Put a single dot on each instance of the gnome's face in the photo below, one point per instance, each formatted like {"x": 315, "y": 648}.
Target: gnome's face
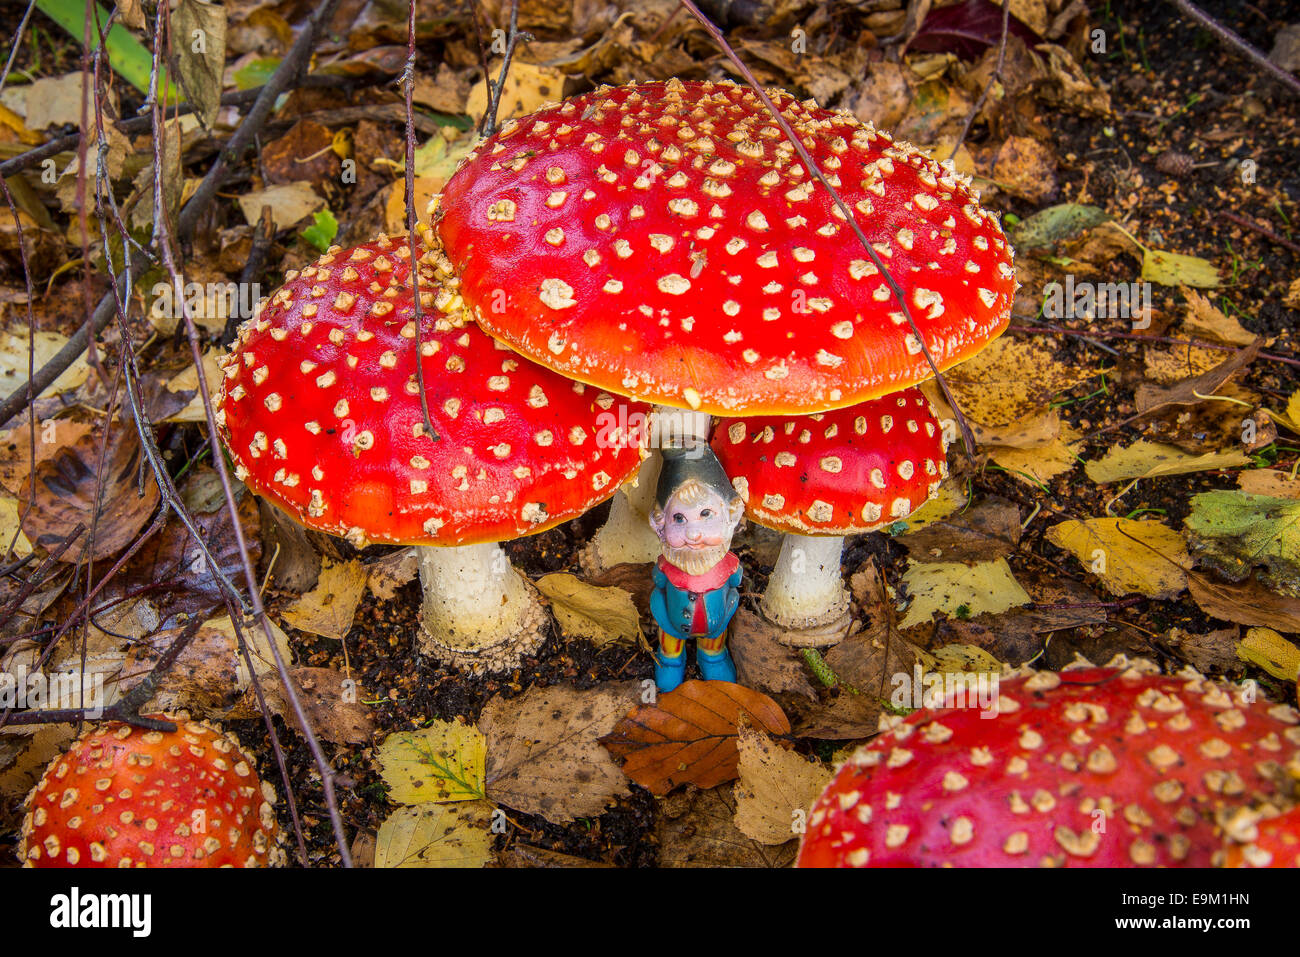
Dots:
{"x": 696, "y": 524}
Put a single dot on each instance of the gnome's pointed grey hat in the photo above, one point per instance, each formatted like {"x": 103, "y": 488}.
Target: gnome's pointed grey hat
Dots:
{"x": 693, "y": 461}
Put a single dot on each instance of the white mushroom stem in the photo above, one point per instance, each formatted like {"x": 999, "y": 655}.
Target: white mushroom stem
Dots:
{"x": 626, "y": 535}
{"x": 805, "y": 594}
{"x": 478, "y": 613}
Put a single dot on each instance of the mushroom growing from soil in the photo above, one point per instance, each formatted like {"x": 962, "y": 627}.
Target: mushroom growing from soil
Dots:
{"x": 818, "y": 478}
{"x": 1094, "y": 767}
{"x": 320, "y": 410}
{"x": 665, "y": 242}
{"x": 127, "y": 797}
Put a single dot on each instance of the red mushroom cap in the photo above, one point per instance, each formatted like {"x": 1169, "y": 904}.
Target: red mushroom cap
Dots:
{"x": 1096, "y": 767}
{"x": 1268, "y": 842}
{"x": 126, "y": 797}
{"x": 320, "y": 410}
{"x": 836, "y": 473}
{"x": 664, "y": 241}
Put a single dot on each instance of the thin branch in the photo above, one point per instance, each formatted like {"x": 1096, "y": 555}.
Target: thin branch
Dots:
{"x": 993, "y": 78}
{"x": 848, "y": 214}
{"x": 488, "y": 125}
{"x": 1231, "y": 39}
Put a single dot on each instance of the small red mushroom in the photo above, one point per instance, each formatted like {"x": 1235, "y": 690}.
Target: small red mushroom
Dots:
{"x": 320, "y": 410}
{"x": 818, "y": 478}
{"x": 122, "y": 796}
{"x": 1094, "y": 767}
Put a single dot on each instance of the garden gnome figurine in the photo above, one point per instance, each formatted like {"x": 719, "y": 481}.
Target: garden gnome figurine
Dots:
{"x": 697, "y": 578}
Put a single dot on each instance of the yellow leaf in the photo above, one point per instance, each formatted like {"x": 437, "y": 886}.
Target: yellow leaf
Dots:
{"x": 1269, "y": 650}
{"x": 1176, "y": 269}
{"x": 328, "y": 609}
{"x": 775, "y": 786}
{"x": 1145, "y": 459}
{"x": 950, "y": 587}
{"x": 1039, "y": 465}
{"x": 526, "y": 88}
{"x": 9, "y": 524}
{"x": 436, "y": 835}
{"x": 443, "y": 762}
{"x": 603, "y": 614}
{"x": 965, "y": 658}
{"x": 13, "y": 361}
{"x": 1128, "y": 556}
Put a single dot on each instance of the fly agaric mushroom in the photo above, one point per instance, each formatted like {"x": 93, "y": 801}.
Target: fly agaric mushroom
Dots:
{"x": 820, "y": 477}
{"x": 1257, "y": 840}
{"x": 664, "y": 241}
{"x": 321, "y": 411}
{"x": 1095, "y": 767}
{"x": 126, "y": 797}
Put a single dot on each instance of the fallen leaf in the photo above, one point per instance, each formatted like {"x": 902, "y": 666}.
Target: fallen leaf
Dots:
{"x": 1212, "y": 652}
{"x": 776, "y": 789}
{"x": 1247, "y": 603}
{"x": 1149, "y": 398}
{"x": 14, "y": 349}
{"x": 1011, "y": 378}
{"x": 1054, "y": 224}
{"x": 329, "y": 608}
{"x": 1175, "y": 269}
{"x": 201, "y": 53}
{"x": 436, "y": 835}
{"x": 698, "y": 829}
{"x": 688, "y": 736}
{"x": 604, "y": 615}
{"x": 1026, "y": 168}
{"x": 331, "y": 702}
{"x": 988, "y": 530}
{"x": 865, "y": 660}
{"x": 385, "y": 576}
{"x": 70, "y": 488}
{"x": 762, "y": 661}
{"x": 1235, "y": 531}
{"x": 959, "y": 658}
{"x": 1127, "y": 555}
{"x": 290, "y": 204}
{"x": 543, "y": 749}
{"x": 1145, "y": 459}
{"x": 443, "y": 762}
{"x": 527, "y": 87}
{"x": 1270, "y": 482}
{"x": 1204, "y": 321}
{"x": 1267, "y": 649}
{"x": 959, "y": 590}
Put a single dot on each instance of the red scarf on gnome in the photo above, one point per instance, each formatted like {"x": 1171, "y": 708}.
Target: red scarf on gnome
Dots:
{"x": 708, "y": 581}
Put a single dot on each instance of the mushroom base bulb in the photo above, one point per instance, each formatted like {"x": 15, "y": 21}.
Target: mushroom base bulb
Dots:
{"x": 477, "y": 613}
{"x": 806, "y": 596}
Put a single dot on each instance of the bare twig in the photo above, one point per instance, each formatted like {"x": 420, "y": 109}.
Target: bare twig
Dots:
{"x": 488, "y": 124}
{"x": 1262, "y": 230}
{"x": 263, "y": 236}
{"x": 1231, "y": 39}
{"x": 967, "y": 437}
{"x": 993, "y": 78}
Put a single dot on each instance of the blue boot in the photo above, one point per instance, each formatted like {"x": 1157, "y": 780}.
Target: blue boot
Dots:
{"x": 670, "y": 671}
{"x": 717, "y": 666}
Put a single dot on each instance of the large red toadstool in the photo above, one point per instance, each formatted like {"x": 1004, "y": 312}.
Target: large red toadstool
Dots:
{"x": 664, "y": 241}
{"x": 122, "y": 796}
{"x": 818, "y": 478}
{"x": 321, "y": 411}
{"x": 1095, "y": 767}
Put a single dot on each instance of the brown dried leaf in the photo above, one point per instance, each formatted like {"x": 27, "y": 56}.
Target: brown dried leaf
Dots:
{"x": 688, "y": 736}
{"x": 329, "y": 609}
{"x": 989, "y": 530}
{"x": 697, "y": 829}
{"x": 64, "y": 491}
{"x": 330, "y": 700}
{"x": 543, "y": 750}
{"x": 776, "y": 788}
{"x": 1246, "y": 603}
{"x": 764, "y": 662}
{"x": 1149, "y": 398}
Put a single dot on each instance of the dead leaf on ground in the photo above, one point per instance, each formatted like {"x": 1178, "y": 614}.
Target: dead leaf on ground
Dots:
{"x": 331, "y": 702}
{"x": 65, "y": 491}
{"x": 386, "y": 575}
{"x": 1203, "y": 321}
{"x": 1026, "y": 168}
{"x": 959, "y": 590}
{"x": 530, "y": 856}
{"x": 776, "y": 788}
{"x": 1267, "y": 649}
{"x": 290, "y": 204}
{"x": 1214, "y": 652}
{"x": 988, "y": 530}
{"x": 527, "y": 87}
{"x": 443, "y": 762}
{"x": 1127, "y": 555}
{"x": 1150, "y": 398}
{"x": 1145, "y": 459}
{"x": 688, "y": 736}
{"x": 841, "y": 717}
{"x": 697, "y": 829}
{"x": 15, "y": 348}
{"x": 543, "y": 749}
{"x": 329, "y": 608}
{"x": 1010, "y": 379}
{"x": 1246, "y": 603}
{"x": 762, "y": 661}
{"x": 436, "y": 835}
{"x": 582, "y": 610}
{"x": 865, "y": 660}
{"x": 1272, "y": 482}
{"x": 16, "y": 447}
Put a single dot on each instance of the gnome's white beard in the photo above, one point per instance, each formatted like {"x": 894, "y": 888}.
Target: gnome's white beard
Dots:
{"x": 696, "y": 561}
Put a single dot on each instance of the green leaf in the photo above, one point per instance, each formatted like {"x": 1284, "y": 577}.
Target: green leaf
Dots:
{"x": 126, "y": 55}
{"x": 1236, "y": 531}
{"x": 255, "y": 73}
{"x": 1055, "y": 223}
{"x": 322, "y": 231}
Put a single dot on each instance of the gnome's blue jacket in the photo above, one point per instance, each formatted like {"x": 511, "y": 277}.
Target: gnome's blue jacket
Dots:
{"x": 696, "y": 606}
